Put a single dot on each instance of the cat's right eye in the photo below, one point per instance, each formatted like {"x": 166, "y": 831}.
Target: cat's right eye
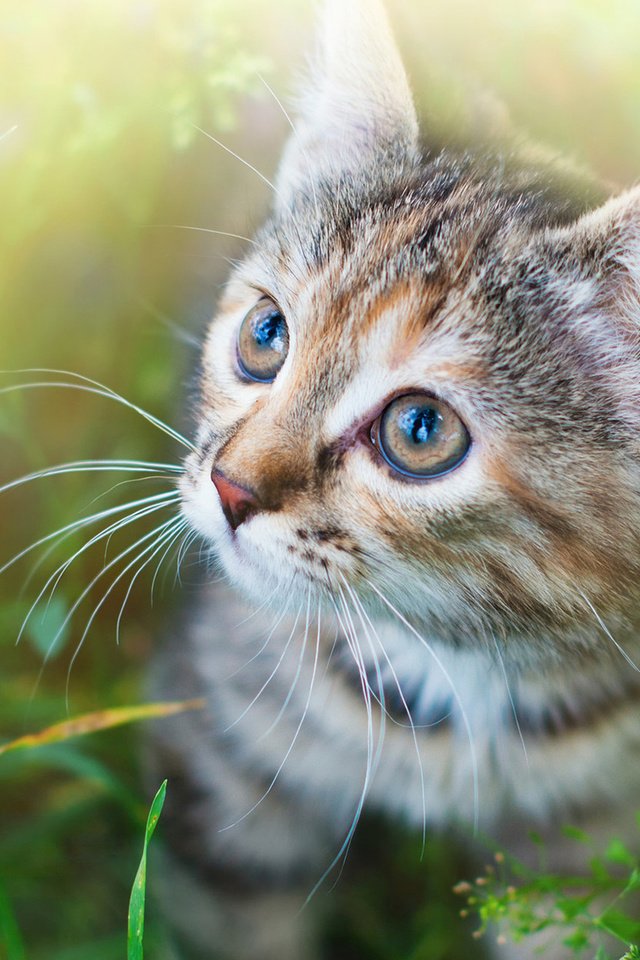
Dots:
{"x": 263, "y": 342}
{"x": 420, "y": 436}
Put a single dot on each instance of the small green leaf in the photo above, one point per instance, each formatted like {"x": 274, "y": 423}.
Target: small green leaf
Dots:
{"x": 574, "y": 833}
{"x": 138, "y": 891}
{"x": 578, "y": 940}
{"x": 619, "y": 925}
{"x": 618, "y": 853}
{"x": 599, "y": 871}
{"x": 633, "y": 882}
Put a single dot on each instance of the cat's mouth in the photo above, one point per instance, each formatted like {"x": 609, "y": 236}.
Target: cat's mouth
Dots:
{"x": 269, "y": 552}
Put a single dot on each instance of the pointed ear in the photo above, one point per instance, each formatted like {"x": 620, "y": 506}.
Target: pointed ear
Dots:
{"x": 606, "y": 245}
{"x": 357, "y": 114}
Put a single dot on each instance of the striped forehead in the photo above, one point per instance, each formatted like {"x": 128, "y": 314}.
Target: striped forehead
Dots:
{"x": 370, "y": 344}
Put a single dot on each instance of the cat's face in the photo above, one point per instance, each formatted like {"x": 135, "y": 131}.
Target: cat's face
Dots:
{"x": 418, "y": 386}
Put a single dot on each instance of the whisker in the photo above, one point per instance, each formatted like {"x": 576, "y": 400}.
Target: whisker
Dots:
{"x": 90, "y": 466}
{"x": 217, "y": 233}
{"x": 75, "y": 606}
{"x": 299, "y": 139}
{"x": 287, "y": 700}
{"x": 271, "y": 675}
{"x": 454, "y": 690}
{"x": 263, "y": 647}
{"x": 176, "y": 534}
{"x": 363, "y": 614}
{"x": 168, "y": 497}
{"x": 352, "y": 642}
{"x": 265, "y": 603}
{"x": 57, "y": 575}
{"x": 511, "y": 700}
{"x": 8, "y": 132}
{"x": 237, "y": 157}
{"x": 161, "y": 534}
{"x": 179, "y": 530}
{"x": 88, "y": 385}
{"x": 105, "y": 569}
{"x": 294, "y": 738}
{"x": 608, "y": 633}
{"x": 54, "y": 546}
{"x": 190, "y": 537}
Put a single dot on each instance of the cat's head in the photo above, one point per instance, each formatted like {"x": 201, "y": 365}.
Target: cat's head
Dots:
{"x": 423, "y": 380}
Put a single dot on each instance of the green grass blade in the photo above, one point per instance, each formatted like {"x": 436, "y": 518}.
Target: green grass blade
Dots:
{"x": 138, "y": 891}
{"x": 10, "y": 935}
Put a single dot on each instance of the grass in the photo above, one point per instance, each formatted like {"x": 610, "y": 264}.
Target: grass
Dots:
{"x": 101, "y": 161}
{"x": 135, "y": 925}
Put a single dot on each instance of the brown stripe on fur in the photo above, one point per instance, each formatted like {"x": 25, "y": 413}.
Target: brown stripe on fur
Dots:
{"x": 576, "y": 553}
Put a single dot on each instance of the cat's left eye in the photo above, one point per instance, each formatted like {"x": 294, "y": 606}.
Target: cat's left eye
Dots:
{"x": 263, "y": 342}
{"x": 420, "y": 436}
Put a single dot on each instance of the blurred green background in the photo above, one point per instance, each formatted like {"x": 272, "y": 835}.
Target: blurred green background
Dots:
{"x": 101, "y": 169}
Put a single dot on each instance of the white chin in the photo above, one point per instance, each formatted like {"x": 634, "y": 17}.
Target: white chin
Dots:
{"x": 247, "y": 567}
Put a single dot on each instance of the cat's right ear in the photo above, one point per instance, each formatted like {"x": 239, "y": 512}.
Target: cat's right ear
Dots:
{"x": 356, "y": 119}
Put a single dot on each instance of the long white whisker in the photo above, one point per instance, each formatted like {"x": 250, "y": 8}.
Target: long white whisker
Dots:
{"x": 263, "y": 646}
{"x": 177, "y": 530}
{"x": 88, "y": 385}
{"x": 257, "y": 610}
{"x": 363, "y": 614}
{"x": 511, "y": 700}
{"x": 77, "y": 603}
{"x": 104, "y": 570}
{"x": 168, "y": 497}
{"x": 90, "y": 466}
{"x": 182, "y": 553}
{"x": 271, "y": 675}
{"x": 161, "y": 535}
{"x": 237, "y": 157}
{"x": 305, "y": 153}
{"x": 303, "y": 647}
{"x": 376, "y": 663}
{"x": 366, "y": 692}
{"x": 608, "y": 633}
{"x": 454, "y": 690}
{"x": 54, "y": 545}
{"x": 57, "y": 575}
{"x": 294, "y": 739}
{"x": 217, "y": 233}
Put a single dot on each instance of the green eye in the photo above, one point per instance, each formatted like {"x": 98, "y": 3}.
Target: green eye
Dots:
{"x": 263, "y": 342}
{"x": 420, "y": 436}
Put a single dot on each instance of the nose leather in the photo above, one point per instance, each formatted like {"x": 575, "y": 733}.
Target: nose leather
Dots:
{"x": 237, "y": 502}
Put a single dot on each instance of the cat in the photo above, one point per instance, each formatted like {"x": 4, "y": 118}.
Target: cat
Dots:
{"x": 417, "y": 463}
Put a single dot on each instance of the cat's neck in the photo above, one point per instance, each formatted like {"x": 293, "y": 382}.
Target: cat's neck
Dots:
{"x": 431, "y": 685}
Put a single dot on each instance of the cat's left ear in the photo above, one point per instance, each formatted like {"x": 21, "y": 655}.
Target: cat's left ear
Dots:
{"x": 604, "y": 247}
{"x": 357, "y": 118}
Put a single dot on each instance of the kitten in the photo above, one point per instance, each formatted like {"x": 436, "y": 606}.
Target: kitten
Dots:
{"x": 418, "y": 465}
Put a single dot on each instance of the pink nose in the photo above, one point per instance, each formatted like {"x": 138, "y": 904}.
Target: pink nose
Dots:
{"x": 237, "y": 503}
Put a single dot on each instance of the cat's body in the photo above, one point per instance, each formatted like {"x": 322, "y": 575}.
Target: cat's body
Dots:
{"x": 481, "y": 604}
{"x": 569, "y": 763}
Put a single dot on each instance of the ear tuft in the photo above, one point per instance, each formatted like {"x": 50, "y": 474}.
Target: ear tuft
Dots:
{"x": 357, "y": 114}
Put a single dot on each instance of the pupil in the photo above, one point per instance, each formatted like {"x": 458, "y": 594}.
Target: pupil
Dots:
{"x": 419, "y": 423}
{"x": 268, "y": 330}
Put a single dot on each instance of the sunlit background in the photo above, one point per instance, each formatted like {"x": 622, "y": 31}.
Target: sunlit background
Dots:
{"x": 108, "y": 186}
